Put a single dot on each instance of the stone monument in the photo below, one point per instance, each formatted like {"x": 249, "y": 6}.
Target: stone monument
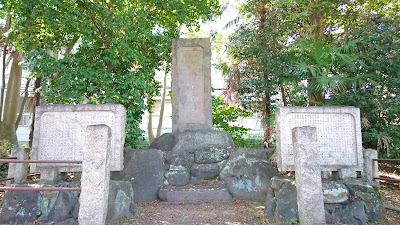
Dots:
{"x": 60, "y": 135}
{"x": 338, "y": 134}
{"x": 191, "y": 84}
{"x": 316, "y": 141}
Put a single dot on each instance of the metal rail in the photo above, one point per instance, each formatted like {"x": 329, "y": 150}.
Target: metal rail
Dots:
{"x": 39, "y": 161}
{"x": 3, "y": 189}
{"x": 386, "y": 160}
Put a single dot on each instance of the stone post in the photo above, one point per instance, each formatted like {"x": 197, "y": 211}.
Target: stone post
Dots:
{"x": 95, "y": 175}
{"x": 191, "y": 84}
{"x": 18, "y": 170}
{"x": 370, "y": 169}
{"x": 310, "y": 200}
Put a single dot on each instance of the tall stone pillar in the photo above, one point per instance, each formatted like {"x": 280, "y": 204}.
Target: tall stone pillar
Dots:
{"x": 191, "y": 84}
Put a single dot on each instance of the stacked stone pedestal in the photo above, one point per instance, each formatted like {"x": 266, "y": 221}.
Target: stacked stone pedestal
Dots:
{"x": 346, "y": 202}
{"x": 206, "y": 166}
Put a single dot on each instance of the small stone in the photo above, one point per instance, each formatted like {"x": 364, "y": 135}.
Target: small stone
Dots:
{"x": 212, "y": 154}
{"x": 177, "y": 177}
{"x": 204, "y": 171}
{"x": 335, "y": 192}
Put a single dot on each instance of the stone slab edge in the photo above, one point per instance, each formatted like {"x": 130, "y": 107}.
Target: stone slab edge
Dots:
{"x": 200, "y": 194}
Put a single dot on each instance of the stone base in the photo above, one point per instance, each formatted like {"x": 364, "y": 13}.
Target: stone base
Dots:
{"x": 62, "y": 207}
{"x": 345, "y": 202}
{"x": 194, "y": 194}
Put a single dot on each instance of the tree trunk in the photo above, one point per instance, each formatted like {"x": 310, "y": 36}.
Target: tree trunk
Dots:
{"x": 7, "y": 129}
{"x": 160, "y": 120}
{"x": 150, "y": 129}
{"x": 269, "y": 129}
{"x": 35, "y": 102}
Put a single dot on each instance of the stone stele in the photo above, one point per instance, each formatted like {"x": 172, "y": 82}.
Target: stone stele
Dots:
{"x": 60, "y": 132}
{"x": 310, "y": 201}
{"x": 191, "y": 84}
{"x": 338, "y": 133}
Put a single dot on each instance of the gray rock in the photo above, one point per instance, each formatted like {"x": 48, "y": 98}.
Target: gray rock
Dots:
{"x": 335, "y": 192}
{"x": 144, "y": 169}
{"x": 354, "y": 213}
{"x": 179, "y": 160}
{"x": 177, "y": 177}
{"x": 19, "y": 207}
{"x": 70, "y": 221}
{"x": 57, "y": 206}
{"x": 286, "y": 203}
{"x": 367, "y": 206}
{"x": 120, "y": 199}
{"x": 165, "y": 142}
{"x": 204, "y": 171}
{"x": 188, "y": 140}
{"x": 199, "y": 194}
{"x": 270, "y": 204}
{"x": 247, "y": 173}
{"x": 369, "y": 193}
{"x": 212, "y": 154}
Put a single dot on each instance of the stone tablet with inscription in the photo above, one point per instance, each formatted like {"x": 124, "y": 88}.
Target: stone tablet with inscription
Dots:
{"x": 191, "y": 84}
{"x": 60, "y": 132}
{"x": 338, "y": 134}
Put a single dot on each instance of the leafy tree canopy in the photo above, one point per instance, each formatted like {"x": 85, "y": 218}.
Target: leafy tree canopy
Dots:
{"x": 101, "y": 51}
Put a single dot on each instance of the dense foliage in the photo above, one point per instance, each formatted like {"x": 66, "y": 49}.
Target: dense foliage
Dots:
{"x": 101, "y": 51}
{"x": 224, "y": 117}
{"x": 319, "y": 52}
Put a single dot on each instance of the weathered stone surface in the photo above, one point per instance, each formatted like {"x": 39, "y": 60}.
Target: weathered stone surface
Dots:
{"x": 247, "y": 173}
{"x": 165, "y": 142}
{"x": 191, "y": 84}
{"x": 335, "y": 192}
{"x": 70, "y": 221}
{"x": 178, "y": 160}
{"x": 286, "y": 202}
{"x": 49, "y": 207}
{"x": 351, "y": 213}
{"x": 95, "y": 178}
{"x": 212, "y": 154}
{"x": 343, "y": 147}
{"x": 18, "y": 170}
{"x": 363, "y": 205}
{"x": 57, "y": 206}
{"x": 204, "y": 171}
{"x": 370, "y": 168}
{"x": 144, "y": 169}
{"x": 199, "y": 194}
{"x": 120, "y": 200}
{"x": 190, "y": 140}
{"x": 59, "y": 133}
{"x": 19, "y": 207}
{"x": 177, "y": 177}
{"x": 369, "y": 193}
{"x": 310, "y": 200}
